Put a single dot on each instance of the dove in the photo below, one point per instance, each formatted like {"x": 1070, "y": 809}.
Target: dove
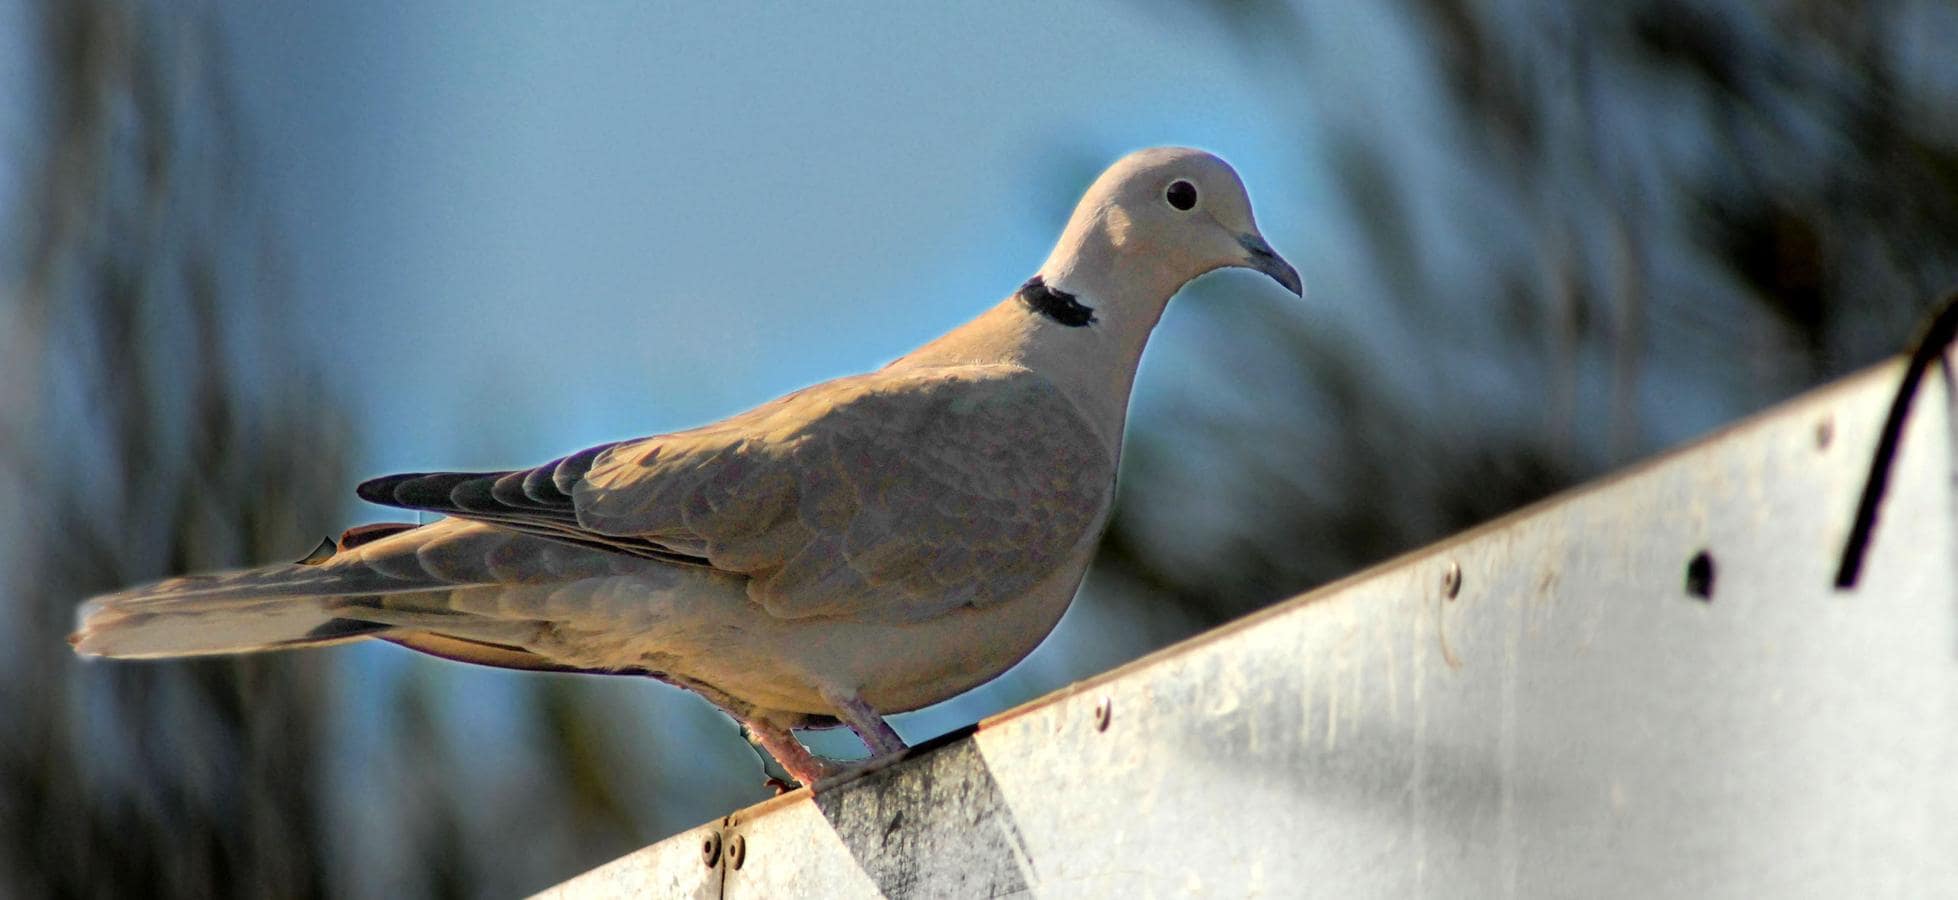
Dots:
{"x": 858, "y": 548}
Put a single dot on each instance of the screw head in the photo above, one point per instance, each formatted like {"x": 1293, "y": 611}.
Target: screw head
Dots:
{"x": 737, "y": 851}
{"x": 1825, "y": 432}
{"x": 1451, "y": 580}
{"x": 1104, "y": 711}
{"x": 710, "y": 849}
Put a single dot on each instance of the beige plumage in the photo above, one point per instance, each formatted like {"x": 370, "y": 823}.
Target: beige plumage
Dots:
{"x": 861, "y": 547}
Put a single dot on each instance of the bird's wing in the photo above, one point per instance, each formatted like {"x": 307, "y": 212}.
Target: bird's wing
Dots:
{"x": 896, "y": 495}
{"x": 535, "y": 501}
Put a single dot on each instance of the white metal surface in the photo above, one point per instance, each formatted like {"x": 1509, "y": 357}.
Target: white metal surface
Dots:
{"x": 686, "y": 865}
{"x": 1572, "y": 722}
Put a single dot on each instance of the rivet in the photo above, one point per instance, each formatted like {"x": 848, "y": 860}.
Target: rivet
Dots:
{"x": 1825, "y": 431}
{"x": 737, "y": 851}
{"x": 710, "y": 849}
{"x": 1104, "y": 711}
{"x": 1451, "y": 580}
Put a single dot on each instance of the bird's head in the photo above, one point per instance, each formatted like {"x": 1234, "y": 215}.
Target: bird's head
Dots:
{"x": 1159, "y": 218}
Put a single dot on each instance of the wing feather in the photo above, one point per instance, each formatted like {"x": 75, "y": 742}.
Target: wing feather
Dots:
{"x": 531, "y": 501}
{"x": 898, "y": 494}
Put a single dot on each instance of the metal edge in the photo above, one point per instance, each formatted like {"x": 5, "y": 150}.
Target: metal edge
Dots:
{"x": 1820, "y": 396}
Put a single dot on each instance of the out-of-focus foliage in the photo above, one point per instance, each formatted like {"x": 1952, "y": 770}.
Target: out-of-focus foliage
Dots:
{"x": 143, "y": 436}
{"x": 154, "y": 423}
{"x": 1619, "y": 225}
{"x": 160, "y": 417}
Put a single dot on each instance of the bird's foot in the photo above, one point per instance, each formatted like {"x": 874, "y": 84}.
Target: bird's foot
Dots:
{"x": 804, "y": 767}
{"x": 807, "y": 769}
{"x": 829, "y": 773}
{"x": 815, "y": 772}
{"x": 812, "y": 770}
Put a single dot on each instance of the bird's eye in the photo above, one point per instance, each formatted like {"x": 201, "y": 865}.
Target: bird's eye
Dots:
{"x": 1181, "y": 194}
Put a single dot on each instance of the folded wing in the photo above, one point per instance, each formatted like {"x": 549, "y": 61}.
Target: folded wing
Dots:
{"x": 893, "y": 495}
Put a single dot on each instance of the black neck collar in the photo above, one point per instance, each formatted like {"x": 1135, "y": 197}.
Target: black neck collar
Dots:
{"x": 1057, "y": 305}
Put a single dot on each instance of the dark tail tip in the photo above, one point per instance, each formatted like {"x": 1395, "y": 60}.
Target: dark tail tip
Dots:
{"x": 380, "y": 490}
{"x": 320, "y": 554}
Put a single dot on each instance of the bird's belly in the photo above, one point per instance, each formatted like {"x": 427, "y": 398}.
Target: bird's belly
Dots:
{"x": 705, "y": 630}
{"x": 901, "y": 667}
{"x": 894, "y": 666}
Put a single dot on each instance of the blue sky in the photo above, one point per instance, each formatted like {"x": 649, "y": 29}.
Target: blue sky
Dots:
{"x": 520, "y": 234}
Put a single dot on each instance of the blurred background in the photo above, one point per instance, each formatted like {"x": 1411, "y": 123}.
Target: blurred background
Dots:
{"x": 256, "y": 251}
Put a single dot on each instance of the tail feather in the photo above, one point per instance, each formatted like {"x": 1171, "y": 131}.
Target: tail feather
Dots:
{"x": 233, "y": 612}
{"x": 396, "y": 583}
{"x": 268, "y": 608}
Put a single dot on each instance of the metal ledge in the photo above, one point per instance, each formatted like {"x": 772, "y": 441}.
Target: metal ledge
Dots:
{"x": 1544, "y": 706}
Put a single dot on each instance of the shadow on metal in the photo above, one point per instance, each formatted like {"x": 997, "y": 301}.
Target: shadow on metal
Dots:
{"x": 945, "y": 787}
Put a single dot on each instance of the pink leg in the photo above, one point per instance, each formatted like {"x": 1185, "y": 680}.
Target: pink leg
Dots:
{"x": 876, "y": 733}
{"x": 885, "y": 745}
{"x": 796, "y": 759}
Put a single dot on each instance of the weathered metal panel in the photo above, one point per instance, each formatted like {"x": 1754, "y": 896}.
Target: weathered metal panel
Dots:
{"x": 686, "y": 865}
{"x": 1538, "y": 708}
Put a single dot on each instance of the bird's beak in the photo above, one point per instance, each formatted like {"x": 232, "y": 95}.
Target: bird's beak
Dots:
{"x": 1260, "y": 256}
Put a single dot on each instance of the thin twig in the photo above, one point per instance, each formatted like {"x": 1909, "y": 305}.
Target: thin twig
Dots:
{"x": 1937, "y": 336}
